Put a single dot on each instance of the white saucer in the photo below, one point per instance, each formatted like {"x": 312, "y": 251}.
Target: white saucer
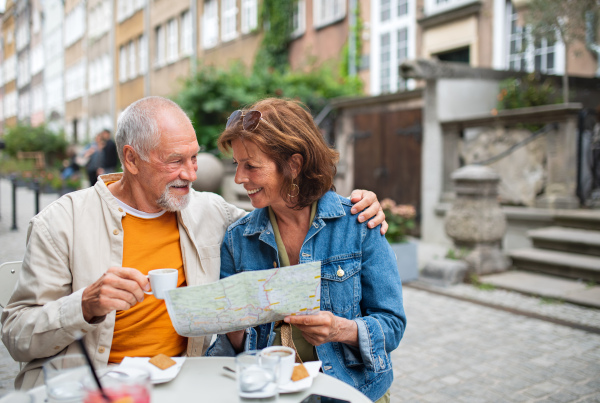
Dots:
{"x": 157, "y": 375}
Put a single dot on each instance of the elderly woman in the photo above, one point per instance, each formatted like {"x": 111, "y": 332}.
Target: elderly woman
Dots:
{"x": 287, "y": 169}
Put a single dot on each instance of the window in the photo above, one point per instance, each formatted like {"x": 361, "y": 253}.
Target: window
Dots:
{"x": 75, "y": 81}
{"x": 299, "y": 19}
{"x": 249, "y": 16}
{"x": 440, "y": 6}
{"x": 160, "y": 46}
{"x": 186, "y": 33}
{"x": 385, "y": 63}
{"x": 131, "y": 67}
{"x": 228, "y": 20}
{"x": 126, "y": 8}
{"x": 328, "y": 11}
{"x": 24, "y": 106}
{"x": 402, "y": 51}
{"x": 402, "y": 7}
{"x": 143, "y": 49}
{"x": 517, "y": 57}
{"x": 123, "y": 63}
{"x": 210, "y": 24}
{"x": 121, "y": 10}
{"x": 107, "y": 72}
{"x": 385, "y": 10}
{"x": 54, "y": 93}
{"x": 100, "y": 19}
{"x": 544, "y": 55}
{"x": 173, "y": 43}
{"x": 75, "y": 20}
{"x": 36, "y": 22}
{"x": 37, "y": 59}
{"x": 22, "y": 34}
{"x": 37, "y": 101}
{"x": 528, "y": 54}
{"x": 10, "y": 69}
{"x": 10, "y": 104}
{"x": 24, "y": 76}
{"x": 393, "y": 27}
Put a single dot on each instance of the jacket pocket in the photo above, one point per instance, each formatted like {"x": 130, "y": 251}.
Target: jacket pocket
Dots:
{"x": 340, "y": 285}
{"x": 210, "y": 260}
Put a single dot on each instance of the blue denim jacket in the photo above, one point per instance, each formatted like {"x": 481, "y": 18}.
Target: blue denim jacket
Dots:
{"x": 369, "y": 291}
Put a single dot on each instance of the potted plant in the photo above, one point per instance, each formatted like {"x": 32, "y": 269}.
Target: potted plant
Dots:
{"x": 401, "y": 219}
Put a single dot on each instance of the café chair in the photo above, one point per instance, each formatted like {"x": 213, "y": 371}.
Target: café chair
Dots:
{"x": 9, "y": 274}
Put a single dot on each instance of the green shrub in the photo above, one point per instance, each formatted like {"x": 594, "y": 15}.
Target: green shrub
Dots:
{"x": 27, "y": 138}
{"x": 526, "y": 92}
{"x": 212, "y": 94}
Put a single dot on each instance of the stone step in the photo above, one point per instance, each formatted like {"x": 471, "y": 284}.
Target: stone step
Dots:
{"x": 573, "y": 240}
{"x": 543, "y": 285}
{"x": 584, "y": 219}
{"x": 561, "y": 264}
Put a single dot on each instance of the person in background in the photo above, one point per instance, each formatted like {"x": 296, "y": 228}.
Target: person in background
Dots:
{"x": 110, "y": 157}
{"x": 287, "y": 170}
{"x": 94, "y": 158}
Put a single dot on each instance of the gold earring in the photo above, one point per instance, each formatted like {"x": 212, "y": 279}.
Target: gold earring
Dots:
{"x": 297, "y": 190}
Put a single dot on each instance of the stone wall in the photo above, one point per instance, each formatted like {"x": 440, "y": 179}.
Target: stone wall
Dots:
{"x": 522, "y": 173}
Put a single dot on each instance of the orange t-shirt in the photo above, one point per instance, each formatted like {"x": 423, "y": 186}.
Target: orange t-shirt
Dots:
{"x": 145, "y": 329}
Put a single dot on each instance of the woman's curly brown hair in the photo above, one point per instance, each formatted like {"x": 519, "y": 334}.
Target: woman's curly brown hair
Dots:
{"x": 288, "y": 129}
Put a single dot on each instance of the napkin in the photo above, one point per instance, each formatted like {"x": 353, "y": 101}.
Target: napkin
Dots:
{"x": 157, "y": 375}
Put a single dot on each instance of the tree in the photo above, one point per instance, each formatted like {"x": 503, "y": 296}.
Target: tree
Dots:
{"x": 209, "y": 96}
{"x": 569, "y": 21}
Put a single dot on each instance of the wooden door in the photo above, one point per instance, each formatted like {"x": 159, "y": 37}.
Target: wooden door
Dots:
{"x": 387, "y": 155}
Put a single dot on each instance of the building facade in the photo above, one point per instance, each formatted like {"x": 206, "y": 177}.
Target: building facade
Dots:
{"x": 117, "y": 51}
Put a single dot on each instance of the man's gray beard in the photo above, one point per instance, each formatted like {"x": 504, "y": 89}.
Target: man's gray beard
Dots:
{"x": 171, "y": 202}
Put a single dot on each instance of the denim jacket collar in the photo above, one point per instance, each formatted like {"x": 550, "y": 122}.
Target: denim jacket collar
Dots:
{"x": 329, "y": 206}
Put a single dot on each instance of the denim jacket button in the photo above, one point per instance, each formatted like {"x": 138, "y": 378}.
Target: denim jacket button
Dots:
{"x": 340, "y": 272}
{"x": 315, "y": 225}
{"x": 327, "y": 368}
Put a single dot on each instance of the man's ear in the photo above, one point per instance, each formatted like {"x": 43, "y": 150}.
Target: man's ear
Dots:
{"x": 296, "y": 161}
{"x": 131, "y": 160}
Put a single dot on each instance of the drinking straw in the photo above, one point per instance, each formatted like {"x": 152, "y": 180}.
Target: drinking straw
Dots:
{"x": 89, "y": 361}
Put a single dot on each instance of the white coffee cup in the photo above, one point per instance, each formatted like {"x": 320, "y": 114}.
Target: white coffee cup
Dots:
{"x": 161, "y": 281}
{"x": 288, "y": 360}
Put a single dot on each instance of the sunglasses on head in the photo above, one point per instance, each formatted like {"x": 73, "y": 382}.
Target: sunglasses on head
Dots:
{"x": 250, "y": 119}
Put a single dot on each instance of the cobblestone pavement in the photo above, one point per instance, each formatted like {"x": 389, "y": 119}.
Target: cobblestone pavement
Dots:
{"x": 453, "y": 350}
{"x": 457, "y": 351}
{"x": 12, "y": 247}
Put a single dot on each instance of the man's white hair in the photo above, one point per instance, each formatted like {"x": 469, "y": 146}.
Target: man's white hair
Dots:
{"x": 138, "y": 126}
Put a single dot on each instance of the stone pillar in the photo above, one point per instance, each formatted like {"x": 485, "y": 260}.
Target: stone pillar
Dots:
{"x": 561, "y": 154}
{"x": 476, "y": 221}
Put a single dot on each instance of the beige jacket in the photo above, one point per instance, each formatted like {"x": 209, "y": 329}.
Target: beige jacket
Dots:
{"x": 70, "y": 244}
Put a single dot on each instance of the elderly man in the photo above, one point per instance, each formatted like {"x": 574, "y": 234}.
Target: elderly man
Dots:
{"x": 88, "y": 253}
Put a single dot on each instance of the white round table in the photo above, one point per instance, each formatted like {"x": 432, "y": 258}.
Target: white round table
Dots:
{"x": 204, "y": 379}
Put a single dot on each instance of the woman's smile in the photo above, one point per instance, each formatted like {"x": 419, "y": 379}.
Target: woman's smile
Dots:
{"x": 253, "y": 191}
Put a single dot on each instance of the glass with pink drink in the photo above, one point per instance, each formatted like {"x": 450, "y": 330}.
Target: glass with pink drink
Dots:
{"x": 130, "y": 385}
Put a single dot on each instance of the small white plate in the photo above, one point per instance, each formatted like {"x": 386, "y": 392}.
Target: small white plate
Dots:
{"x": 157, "y": 375}
{"x": 313, "y": 368}
{"x": 268, "y": 391}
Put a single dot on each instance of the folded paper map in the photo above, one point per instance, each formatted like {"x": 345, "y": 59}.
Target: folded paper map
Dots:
{"x": 246, "y": 299}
